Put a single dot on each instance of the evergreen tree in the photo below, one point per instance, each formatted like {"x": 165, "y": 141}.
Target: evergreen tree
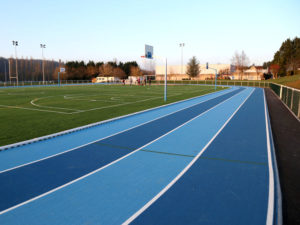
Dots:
{"x": 193, "y": 68}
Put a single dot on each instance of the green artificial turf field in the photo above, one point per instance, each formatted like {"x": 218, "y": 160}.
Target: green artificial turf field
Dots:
{"x": 31, "y": 112}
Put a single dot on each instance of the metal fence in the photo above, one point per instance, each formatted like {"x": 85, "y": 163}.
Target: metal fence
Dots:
{"x": 46, "y": 83}
{"x": 290, "y": 96}
{"x": 248, "y": 83}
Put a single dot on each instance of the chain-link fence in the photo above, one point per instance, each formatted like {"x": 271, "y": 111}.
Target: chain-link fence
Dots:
{"x": 290, "y": 96}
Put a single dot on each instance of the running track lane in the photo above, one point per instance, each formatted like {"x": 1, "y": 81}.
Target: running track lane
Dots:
{"x": 24, "y": 183}
{"x": 112, "y": 195}
{"x": 230, "y": 183}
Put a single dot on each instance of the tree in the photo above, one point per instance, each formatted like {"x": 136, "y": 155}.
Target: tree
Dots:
{"x": 241, "y": 62}
{"x": 135, "y": 71}
{"x": 288, "y": 57}
{"x": 118, "y": 72}
{"x": 274, "y": 69}
{"x": 126, "y": 67}
{"x": 106, "y": 70}
{"x": 193, "y": 68}
{"x": 266, "y": 64}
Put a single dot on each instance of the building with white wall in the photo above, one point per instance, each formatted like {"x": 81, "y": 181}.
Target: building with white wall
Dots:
{"x": 176, "y": 72}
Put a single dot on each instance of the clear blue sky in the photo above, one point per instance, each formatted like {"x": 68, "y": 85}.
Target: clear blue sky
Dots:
{"x": 102, "y": 30}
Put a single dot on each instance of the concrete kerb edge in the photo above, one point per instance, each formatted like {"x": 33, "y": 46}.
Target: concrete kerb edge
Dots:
{"x": 6, "y": 147}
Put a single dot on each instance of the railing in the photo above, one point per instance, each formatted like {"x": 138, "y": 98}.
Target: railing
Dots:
{"x": 249, "y": 83}
{"x": 290, "y": 96}
{"x": 46, "y": 83}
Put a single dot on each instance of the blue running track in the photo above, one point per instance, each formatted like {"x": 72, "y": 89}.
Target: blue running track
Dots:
{"x": 207, "y": 160}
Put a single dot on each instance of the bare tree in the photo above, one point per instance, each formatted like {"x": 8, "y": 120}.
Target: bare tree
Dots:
{"x": 106, "y": 70}
{"x": 118, "y": 72}
{"x": 135, "y": 71}
{"x": 241, "y": 62}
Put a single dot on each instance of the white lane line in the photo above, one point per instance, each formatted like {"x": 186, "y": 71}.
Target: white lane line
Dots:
{"x": 148, "y": 204}
{"x": 270, "y": 212}
{"x": 109, "y": 135}
{"x": 117, "y": 160}
{"x": 278, "y": 195}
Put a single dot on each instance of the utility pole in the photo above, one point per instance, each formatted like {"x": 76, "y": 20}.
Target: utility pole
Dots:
{"x": 15, "y": 43}
{"x": 42, "y": 47}
{"x": 181, "y": 45}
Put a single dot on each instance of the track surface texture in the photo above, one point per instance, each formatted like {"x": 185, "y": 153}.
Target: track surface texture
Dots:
{"x": 286, "y": 134}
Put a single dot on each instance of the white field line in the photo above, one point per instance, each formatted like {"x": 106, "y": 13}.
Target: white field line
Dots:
{"x": 95, "y": 171}
{"x": 76, "y": 110}
{"x": 24, "y": 93}
{"x": 270, "y": 212}
{"x": 127, "y": 103}
{"x": 104, "y": 137}
{"x": 89, "y": 100}
{"x": 118, "y": 98}
{"x": 148, "y": 204}
{"x": 50, "y": 107}
{"x": 101, "y": 122}
{"x": 41, "y": 110}
{"x": 121, "y": 104}
{"x": 111, "y": 106}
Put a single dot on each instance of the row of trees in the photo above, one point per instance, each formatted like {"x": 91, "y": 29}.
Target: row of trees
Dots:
{"x": 286, "y": 60}
{"x": 28, "y": 69}
{"x": 81, "y": 71}
{"x": 32, "y": 70}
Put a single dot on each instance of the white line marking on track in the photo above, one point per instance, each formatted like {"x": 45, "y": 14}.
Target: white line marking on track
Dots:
{"x": 105, "y": 137}
{"x": 270, "y": 212}
{"x": 135, "y": 215}
{"x": 95, "y": 171}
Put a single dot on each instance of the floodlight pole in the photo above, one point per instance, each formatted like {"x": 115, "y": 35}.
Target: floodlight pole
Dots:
{"x": 15, "y": 43}
{"x": 216, "y": 74}
{"x": 181, "y": 45}
{"x": 42, "y": 47}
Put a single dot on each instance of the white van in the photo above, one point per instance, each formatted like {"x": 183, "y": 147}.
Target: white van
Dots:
{"x": 107, "y": 80}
